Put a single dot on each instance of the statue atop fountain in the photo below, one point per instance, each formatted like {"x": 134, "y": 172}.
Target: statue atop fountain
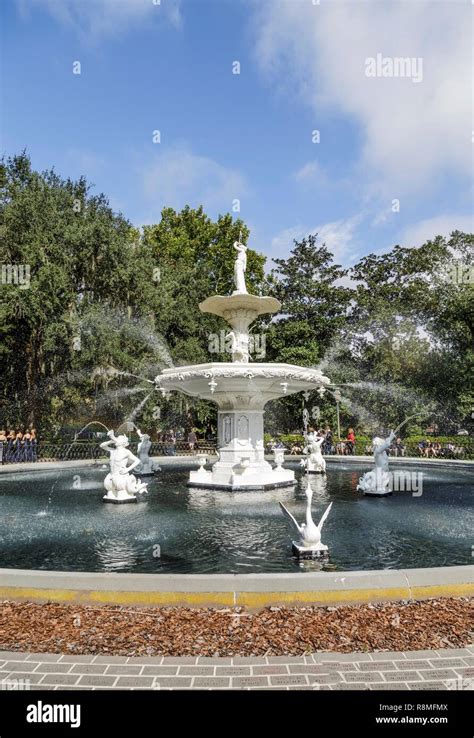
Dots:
{"x": 240, "y": 266}
{"x": 146, "y": 467}
{"x": 315, "y": 463}
{"x": 377, "y": 481}
{"x": 121, "y": 486}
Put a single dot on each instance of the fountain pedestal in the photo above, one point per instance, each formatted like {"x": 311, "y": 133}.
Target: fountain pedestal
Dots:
{"x": 241, "y": 463}
{"x": 310, "y": 553}
{"x": 241, "y": 392}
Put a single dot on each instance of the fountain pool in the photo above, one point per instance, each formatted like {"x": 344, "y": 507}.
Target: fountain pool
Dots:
{"x": 213, "y": 531}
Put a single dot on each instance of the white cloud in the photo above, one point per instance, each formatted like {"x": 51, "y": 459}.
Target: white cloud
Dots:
{"x": 92, "y": 19}
{"x": 311, "y": 173}
{"x": 442, "y": 225}
{"x": 339, "y": 237}
{"x": 413, "y": 133}
{"x": 87, "y": 163}
{"x": 178, "y": 177}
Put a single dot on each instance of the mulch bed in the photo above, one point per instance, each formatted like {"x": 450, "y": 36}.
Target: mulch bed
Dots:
{"x": 273, "y": 631}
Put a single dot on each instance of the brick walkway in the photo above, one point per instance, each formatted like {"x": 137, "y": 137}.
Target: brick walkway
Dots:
{"x": 421, "y": 670}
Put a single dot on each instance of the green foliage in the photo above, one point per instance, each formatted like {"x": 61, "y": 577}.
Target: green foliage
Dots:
{"x": 107, "y": 300}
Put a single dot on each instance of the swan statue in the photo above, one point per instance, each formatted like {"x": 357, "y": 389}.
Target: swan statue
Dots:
{"x": 309, "y": 533}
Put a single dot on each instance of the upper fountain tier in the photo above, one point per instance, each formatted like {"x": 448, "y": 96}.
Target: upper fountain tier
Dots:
{"x": 240, "y": 309}
{"x": 236, "y": 384}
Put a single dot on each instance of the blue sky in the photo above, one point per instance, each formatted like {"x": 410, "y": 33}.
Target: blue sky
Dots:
{"x": 168, "y": 67}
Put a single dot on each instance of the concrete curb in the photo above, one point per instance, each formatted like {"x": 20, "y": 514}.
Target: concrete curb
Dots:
{"x": 250, "y": 590}
{"x": 191, "y": 461}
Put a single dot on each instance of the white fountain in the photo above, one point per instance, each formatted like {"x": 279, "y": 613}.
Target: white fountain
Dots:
{"x": 377, "y": 481}
{"x": 241, "y": 391}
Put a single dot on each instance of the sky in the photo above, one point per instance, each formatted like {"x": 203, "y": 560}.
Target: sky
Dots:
{"x": 390, "y": 162}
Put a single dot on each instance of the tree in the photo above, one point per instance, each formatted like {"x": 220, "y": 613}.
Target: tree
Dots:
{"x": 314, "y": 309}
{"x": 412, "y": 325}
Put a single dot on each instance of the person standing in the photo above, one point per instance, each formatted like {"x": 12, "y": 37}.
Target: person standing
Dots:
{"x": 18, "y": 447}
{"x": 350, "y": 441}
{"x": 192, "y": 440}
{"x": 327, "y": 445}
{"x": 34, "y": 445}
{"x": 27, "y": 446}
{"x": 3, "y": 446}
{"x": 10, "y": 446}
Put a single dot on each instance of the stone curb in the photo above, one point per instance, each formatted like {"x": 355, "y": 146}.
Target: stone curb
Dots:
{"x": 249, "y": 590}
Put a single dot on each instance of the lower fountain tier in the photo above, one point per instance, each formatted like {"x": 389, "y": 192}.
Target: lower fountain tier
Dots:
{"x": 238, "y": 385}
{"x": 241, "y": 392}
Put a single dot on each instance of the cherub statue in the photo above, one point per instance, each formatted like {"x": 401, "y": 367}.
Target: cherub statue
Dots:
{"x": 315, "y": 462}
{"x": 121, "y": 486}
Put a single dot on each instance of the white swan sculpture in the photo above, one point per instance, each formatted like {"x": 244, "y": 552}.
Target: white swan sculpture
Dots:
{"x": 309, "y": 533}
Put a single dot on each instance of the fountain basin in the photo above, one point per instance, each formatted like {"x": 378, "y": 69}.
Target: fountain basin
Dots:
{"x": 213, "y": 532}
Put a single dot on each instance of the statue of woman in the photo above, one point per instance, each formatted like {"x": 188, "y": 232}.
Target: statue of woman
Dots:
{"x": 240, "y": 265}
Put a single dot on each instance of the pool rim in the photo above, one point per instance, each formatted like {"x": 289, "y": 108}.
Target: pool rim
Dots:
{"x": 236, "y": 590}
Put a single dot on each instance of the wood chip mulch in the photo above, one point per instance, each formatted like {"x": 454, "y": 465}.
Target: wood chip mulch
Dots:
{"x": 273, "y": 631}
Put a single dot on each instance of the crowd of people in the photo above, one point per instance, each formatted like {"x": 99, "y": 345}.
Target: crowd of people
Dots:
{"x": 328, "y": 446}
{"x": 169, "y": 440}
{"x": 17, "y": 447}
{"x": 347, "y": 447}
{"x": 435, "y": 449}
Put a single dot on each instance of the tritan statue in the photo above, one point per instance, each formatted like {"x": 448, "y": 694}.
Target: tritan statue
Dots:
{"x": 121, "y": 486}
{"x": 146, "y": 467}
{"x": 377, "y": 481}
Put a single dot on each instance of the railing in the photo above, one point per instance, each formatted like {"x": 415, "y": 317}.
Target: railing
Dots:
{"x": 461, "y": 452}
{"x": 50, "y": 451}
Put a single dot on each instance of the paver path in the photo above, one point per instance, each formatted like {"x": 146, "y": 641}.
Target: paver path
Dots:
{"x": 421, "y": 670}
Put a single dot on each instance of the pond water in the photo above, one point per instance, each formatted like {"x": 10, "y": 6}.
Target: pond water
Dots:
{"x": 57, "y": 521}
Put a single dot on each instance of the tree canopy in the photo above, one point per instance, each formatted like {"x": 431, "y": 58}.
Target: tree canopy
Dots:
{"x": 105, "y": 300}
